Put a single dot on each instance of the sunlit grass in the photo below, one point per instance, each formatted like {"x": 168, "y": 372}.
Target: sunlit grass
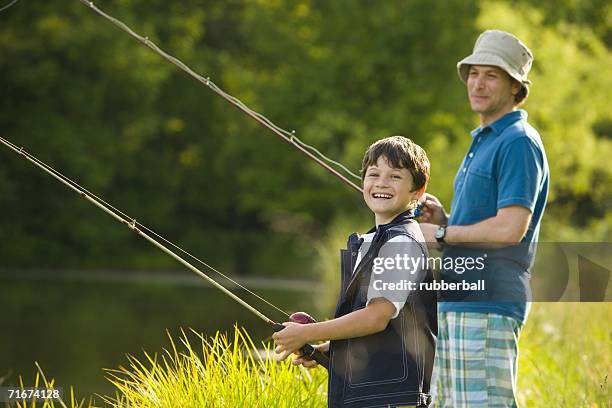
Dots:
{"x": 220, "y": 373}
{"x": 216, "y": 372}
{"x": 565, "y": 356}
{"x": 565, "y": 361}
{"x": 40, "y": 381}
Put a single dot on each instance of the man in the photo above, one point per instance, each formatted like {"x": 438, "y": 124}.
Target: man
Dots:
{"x": 499, "y": 197}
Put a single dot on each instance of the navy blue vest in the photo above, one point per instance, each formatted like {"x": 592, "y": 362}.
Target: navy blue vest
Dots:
{"x": 392, "y": 367}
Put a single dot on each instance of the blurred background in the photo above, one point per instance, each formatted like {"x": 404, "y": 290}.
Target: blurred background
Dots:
{"x": 78, "y": 291}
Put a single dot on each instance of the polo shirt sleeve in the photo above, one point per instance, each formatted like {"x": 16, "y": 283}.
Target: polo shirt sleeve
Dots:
{"x": 409, "y": 268}
{"x": 520, "y": 173}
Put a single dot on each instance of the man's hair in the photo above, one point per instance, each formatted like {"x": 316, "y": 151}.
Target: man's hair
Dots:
{"x": 400, "y": 152}
{"x": 522, "y": 94}
{"x": 520, "y": 97}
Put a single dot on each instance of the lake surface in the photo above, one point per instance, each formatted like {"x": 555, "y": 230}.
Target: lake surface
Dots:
{"x": 76, "y": 324}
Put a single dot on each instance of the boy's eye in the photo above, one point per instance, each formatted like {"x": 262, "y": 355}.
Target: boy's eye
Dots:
{"x": 373, "y": 175}
{"x": 396, "y": 176}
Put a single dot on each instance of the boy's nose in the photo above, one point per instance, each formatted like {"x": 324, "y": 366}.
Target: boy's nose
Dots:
{"x": 382, "y": 182}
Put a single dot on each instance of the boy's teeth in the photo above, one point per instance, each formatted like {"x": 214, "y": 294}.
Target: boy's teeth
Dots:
{"x": 382, "y": 195}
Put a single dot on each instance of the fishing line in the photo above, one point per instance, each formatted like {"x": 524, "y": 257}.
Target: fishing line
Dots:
{"x": 8, "y": 5}
{"x": 124, "y": 218}
{"x": 287, "y": 136}
{"x": 307, "y": 349}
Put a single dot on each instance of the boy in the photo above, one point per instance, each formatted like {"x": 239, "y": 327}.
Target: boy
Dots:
{"x": 383, "y": 334}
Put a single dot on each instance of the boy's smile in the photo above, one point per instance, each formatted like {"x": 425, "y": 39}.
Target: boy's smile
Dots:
{"x": 388, "y": 191}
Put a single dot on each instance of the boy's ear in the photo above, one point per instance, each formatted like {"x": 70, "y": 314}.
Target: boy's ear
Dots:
{"x": 420, "y": 192}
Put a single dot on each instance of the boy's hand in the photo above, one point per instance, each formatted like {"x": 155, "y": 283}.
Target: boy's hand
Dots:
{"x": 432, "y": 210}
{"x": 307, "y": 361}
{"x": 290, "y": 339}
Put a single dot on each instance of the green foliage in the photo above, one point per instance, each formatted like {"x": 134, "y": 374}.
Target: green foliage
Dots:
{"x": 567, "y": 104}
{"x": 120, "y": 120}
{"x": 114, "y": 116}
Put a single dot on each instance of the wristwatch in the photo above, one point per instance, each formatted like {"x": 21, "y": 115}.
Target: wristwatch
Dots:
{"x": 440, "y": 234}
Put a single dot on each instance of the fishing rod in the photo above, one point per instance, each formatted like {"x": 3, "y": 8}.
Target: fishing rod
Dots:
{"x": 307, "y": 349}
{"x": 285, "y": 135}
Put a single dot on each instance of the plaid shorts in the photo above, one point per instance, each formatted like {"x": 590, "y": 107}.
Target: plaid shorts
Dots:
{"x": 476, "y": 360}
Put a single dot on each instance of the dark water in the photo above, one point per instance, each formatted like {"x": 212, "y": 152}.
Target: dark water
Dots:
{"x": 74, "y": 329}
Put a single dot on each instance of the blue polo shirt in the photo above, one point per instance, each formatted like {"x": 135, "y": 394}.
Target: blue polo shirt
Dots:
{"x": 506, "y": 165}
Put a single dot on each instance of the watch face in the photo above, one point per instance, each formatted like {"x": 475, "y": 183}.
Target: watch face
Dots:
{"x": 440, "y": 232}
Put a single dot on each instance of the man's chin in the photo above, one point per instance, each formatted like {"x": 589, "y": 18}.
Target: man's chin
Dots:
{"x": 477, "y": 108}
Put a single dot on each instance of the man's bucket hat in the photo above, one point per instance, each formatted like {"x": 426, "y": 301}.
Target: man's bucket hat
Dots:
{"x": 500, "y": 49}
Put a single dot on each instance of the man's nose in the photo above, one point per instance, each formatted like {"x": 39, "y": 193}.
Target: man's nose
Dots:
{"x": 478, "y": 82}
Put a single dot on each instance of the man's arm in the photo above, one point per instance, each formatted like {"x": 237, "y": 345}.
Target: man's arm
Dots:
{"x": 507, "y": 227}
{"x": 371, "y": 319}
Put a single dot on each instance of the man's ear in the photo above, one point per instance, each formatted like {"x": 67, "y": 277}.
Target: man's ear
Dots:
{"x": 516, "y": 87}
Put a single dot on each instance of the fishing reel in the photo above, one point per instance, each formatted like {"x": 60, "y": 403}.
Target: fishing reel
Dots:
{"x": 307, "y": 350}
{"x": 302, "y": 318}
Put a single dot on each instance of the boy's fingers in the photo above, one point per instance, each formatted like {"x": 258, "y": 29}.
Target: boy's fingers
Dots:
{"x": 310, "y": 364}
{"x": 282, "y": 356}
{"x": 306, "y": 362}
{"x": 299, "y": 361}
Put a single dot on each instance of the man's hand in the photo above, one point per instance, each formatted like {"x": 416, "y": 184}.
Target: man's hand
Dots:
{"x": 307, "y": 361}
{"x": 290, "y": 339}
{"x": 432, "y": 210}
{"x": 507, "y": 227}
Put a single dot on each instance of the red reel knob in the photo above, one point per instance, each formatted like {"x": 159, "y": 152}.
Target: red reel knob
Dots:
{"x": 301, "y": 318}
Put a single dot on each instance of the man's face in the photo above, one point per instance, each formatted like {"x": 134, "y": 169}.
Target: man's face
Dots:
{"x": 491, "y": 91}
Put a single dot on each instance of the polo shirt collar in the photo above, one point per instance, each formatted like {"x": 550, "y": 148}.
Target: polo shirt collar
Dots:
{"x": 500, "y": 124}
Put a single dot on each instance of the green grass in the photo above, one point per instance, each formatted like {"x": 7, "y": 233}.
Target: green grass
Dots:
{"x": 565, "y": 361}
{"x": 221, "y": 373}
{"x": 565, "y": 356}
{"x": 216, "y": 372}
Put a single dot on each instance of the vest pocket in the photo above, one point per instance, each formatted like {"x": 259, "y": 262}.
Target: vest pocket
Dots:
{"x": 379, "y": 358}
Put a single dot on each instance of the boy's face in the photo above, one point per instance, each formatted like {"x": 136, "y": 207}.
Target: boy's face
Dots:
{"x": 388, "y": 191}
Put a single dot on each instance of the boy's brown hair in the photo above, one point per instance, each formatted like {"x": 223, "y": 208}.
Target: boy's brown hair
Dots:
{"x": 400, "y": 152}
